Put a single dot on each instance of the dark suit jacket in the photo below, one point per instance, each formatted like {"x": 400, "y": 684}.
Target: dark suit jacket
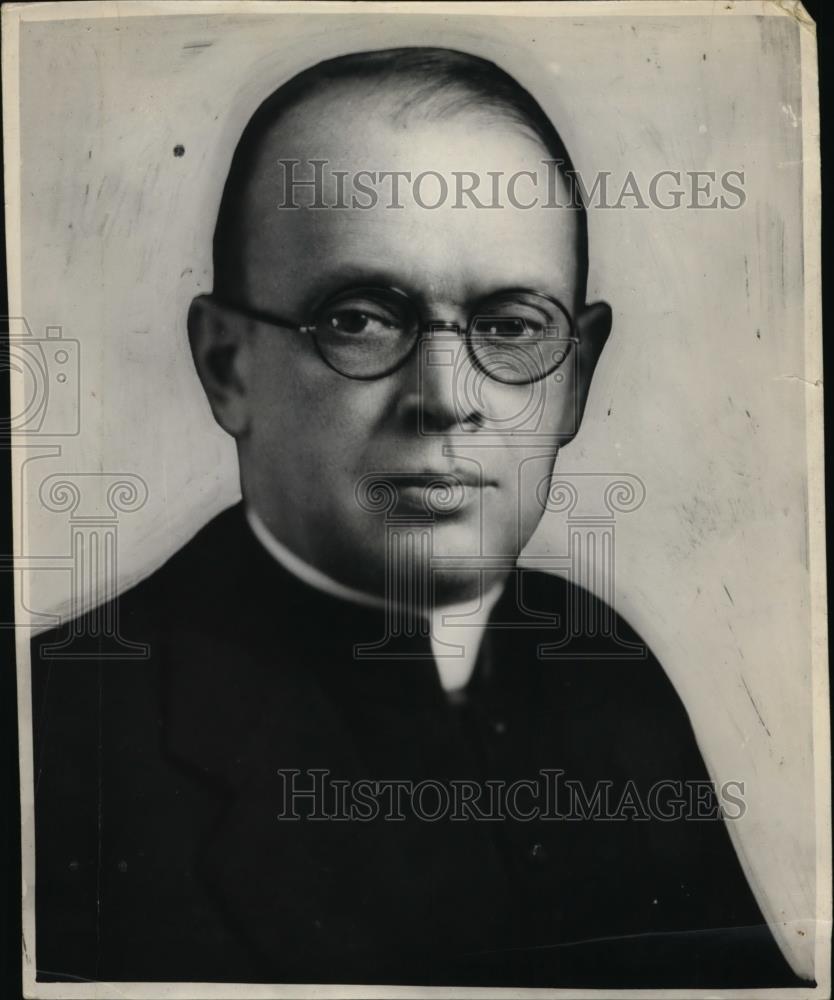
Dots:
{"x": 160, "y": 854}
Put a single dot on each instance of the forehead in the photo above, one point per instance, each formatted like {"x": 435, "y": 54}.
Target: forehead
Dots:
{"x": 394, "y": 187}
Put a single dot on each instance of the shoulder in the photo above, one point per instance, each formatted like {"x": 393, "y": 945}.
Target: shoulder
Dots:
{"x": 111, "y": 650}
{"x": 573, "y": 625}
{"x": 107, "y": 630}
{"x": 604, "y": 675}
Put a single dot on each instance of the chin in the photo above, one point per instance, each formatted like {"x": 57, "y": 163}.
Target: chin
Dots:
{"x": 451, "y": 586}
{"x": 451, "y": 550}
{"x": 457, "y": 556}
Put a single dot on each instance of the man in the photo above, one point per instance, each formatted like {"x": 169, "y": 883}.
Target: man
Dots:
{"x": 360, "y": 619}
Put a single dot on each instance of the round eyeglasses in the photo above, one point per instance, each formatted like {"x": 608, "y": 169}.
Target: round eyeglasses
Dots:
{"x": 515, "y": 337}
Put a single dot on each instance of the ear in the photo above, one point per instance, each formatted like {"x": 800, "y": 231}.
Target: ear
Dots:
{"x": 592, "y": 328}
{"x": 222, "y": 350}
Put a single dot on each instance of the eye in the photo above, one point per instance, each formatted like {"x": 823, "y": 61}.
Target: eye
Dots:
{"x": 507, "y": 327}
{"x": 527, "y": 316}
{"x": 351, "y": 321}
{"x": 359, "y": 318}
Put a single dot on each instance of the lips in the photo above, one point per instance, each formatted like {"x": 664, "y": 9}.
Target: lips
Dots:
{"x": 439, "y": 477}
{"x": 435, "y": 493}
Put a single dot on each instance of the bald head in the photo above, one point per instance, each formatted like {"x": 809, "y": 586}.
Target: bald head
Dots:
{"x": 399, "y": 89}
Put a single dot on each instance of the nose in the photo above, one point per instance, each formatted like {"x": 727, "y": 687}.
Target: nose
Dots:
{"x": 439, "y": 395}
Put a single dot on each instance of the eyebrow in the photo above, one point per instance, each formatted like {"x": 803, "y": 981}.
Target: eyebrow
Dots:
{"x": 350, "y": 277}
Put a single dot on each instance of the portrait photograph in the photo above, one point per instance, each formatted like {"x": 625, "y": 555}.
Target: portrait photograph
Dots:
{"x": 416, "y": 442}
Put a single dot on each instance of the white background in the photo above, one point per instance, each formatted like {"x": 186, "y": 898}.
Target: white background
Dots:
{"x": 700, "y": 391}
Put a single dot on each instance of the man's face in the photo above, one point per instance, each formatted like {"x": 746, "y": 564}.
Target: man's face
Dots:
{"x": 314, "y": 439}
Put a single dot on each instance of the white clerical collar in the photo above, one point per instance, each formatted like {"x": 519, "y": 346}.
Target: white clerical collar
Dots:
{"x": 456, "y": 629}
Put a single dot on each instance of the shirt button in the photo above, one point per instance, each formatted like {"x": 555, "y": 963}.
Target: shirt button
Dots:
{"x": 537, "y": 854}
{"x": 499, "y": 727}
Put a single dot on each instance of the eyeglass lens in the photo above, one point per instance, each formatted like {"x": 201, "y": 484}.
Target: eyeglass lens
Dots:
{"x": 515, "y": 338}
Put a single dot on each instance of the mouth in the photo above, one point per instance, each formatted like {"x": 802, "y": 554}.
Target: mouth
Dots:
{"x": 438, "y": 493}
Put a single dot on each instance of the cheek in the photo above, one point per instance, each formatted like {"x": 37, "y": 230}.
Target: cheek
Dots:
{"x": 513, "y": 514}
{"x": 302, "y": 409}
{"x": 539, "y": 411}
